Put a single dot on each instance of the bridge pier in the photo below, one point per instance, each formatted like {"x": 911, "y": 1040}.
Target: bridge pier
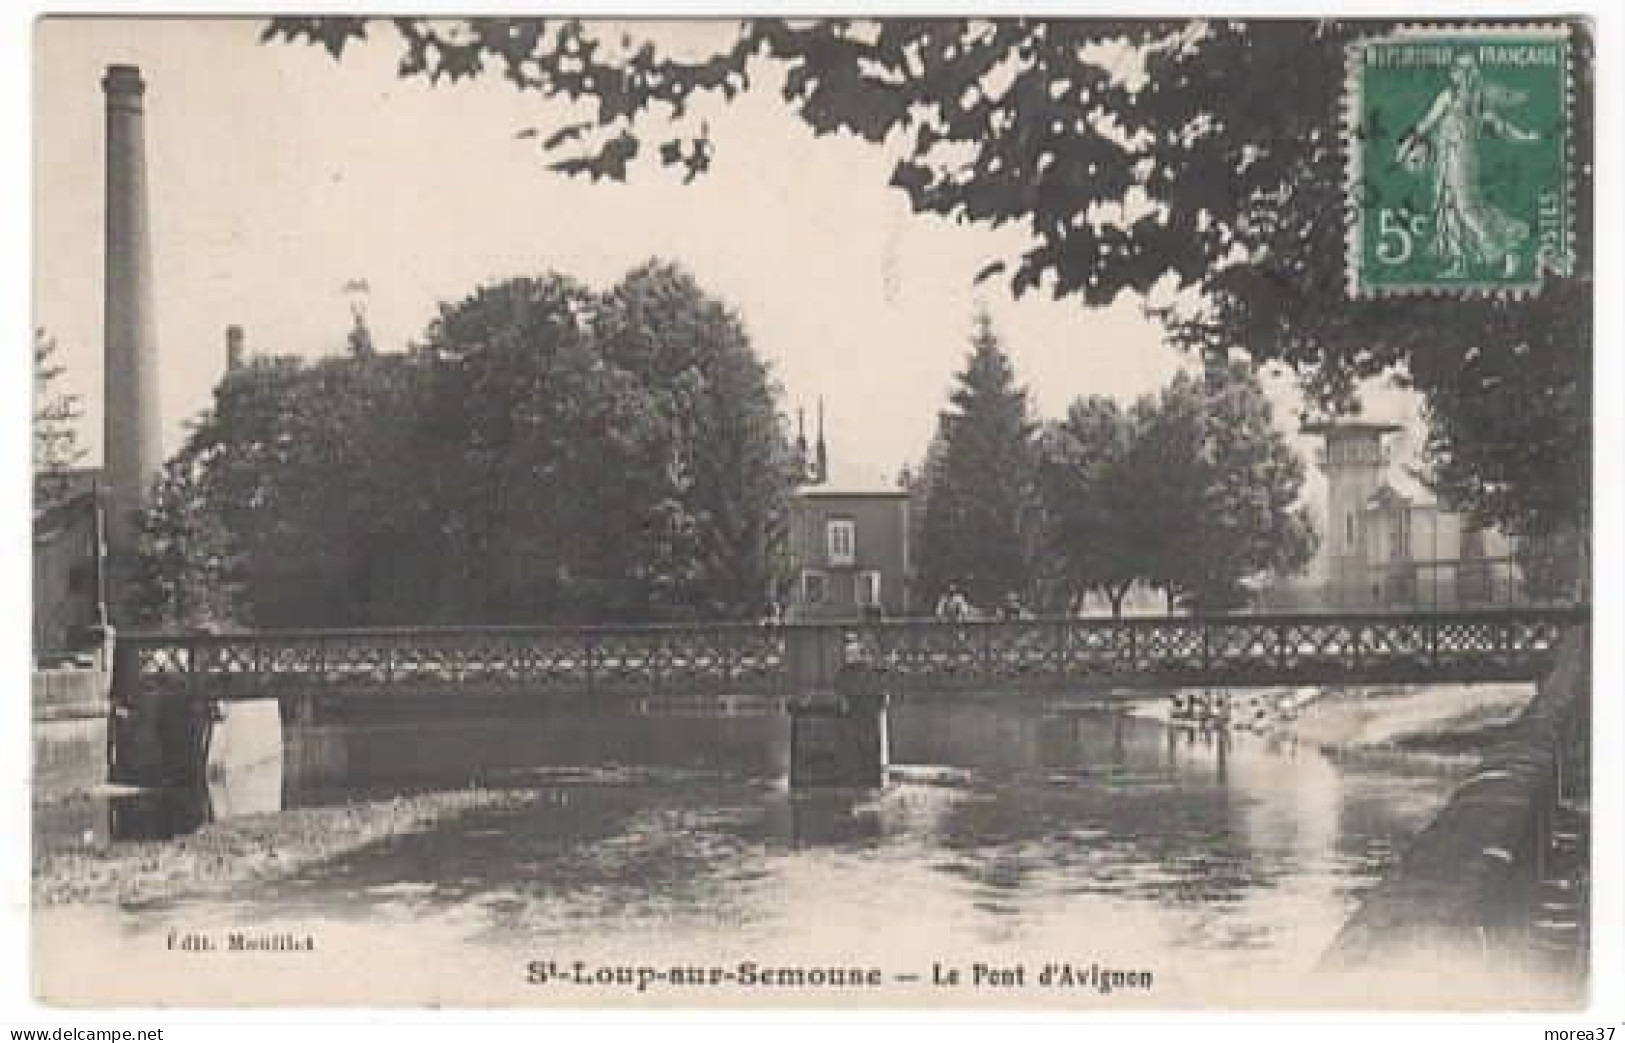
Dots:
{"x": 155, "y": 737}
{"x": 315, "y": 748}
{"x": 160, "y": 741}
{"x": 838, "y": 713}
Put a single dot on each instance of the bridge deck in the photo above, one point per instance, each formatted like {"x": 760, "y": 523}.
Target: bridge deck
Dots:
{"x": 920, "y": 656}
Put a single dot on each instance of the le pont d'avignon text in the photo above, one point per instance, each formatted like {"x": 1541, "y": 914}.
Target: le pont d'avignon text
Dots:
{"x": 749, "y": 974}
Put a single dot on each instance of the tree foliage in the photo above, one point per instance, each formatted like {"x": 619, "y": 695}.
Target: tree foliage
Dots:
{"x": 546, "y": 454}
{"x": 186, "y": 565}
{"x": 300, "y": 479}
{"x": 1193, "y": 491}
{"x": 57, "y": 414}
{"x": 537, "y": 449}
{"x": 1095, "y": 533}
{"x": 977, "y": 529}
{"x": 1225, "y": 488}
{"x": 724, "y": 489}
{"x": 1138, "y": 155}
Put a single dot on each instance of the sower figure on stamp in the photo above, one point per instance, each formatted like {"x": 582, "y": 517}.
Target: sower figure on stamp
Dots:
{"x": 1467, "y": 228}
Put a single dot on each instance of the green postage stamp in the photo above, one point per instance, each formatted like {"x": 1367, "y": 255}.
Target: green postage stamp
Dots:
{"x": 1458, "y": 160}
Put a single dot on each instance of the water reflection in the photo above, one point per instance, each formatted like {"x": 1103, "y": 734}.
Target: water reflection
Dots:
{"x": 255, "y": 767}
{"x": 1006, "y": 822}
{"x": 158, "y": 814}
{"x": 244, "y": 774}
{"x": 506, "y": 750}
{"x": 244, "y": 777}
{"x": 827, "y": 818}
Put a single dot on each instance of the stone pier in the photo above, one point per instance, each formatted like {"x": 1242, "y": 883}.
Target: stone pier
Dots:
{"x": 838, "y": 712}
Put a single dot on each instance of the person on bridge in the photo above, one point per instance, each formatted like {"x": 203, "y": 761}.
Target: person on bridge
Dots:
{"x": 1012, "y": 609}
{"x": 953, "y": 605}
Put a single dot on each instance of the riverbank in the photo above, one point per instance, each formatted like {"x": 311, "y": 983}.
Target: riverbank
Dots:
{"x": 1500, "y": 877}
{"x": 1445, "y": 723}
{"x": 241, "y": 850}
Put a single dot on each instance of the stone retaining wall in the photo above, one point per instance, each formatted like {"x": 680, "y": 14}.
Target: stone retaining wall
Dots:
{"x": 1467, "y": 882}
{"x": 69, "y": 692}
{"x": 69, "y": 727}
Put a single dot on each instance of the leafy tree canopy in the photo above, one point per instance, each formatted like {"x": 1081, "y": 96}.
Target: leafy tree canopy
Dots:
{"x": 1194, "y": 491}
{"x": 546, "y": 454}
{"x": 1096, "y": 535}
{"x": 726, "y": 462}
{"x": 1140, "y": 155}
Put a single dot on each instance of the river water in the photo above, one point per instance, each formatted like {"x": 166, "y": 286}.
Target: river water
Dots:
{"x": 1013, "y": 834}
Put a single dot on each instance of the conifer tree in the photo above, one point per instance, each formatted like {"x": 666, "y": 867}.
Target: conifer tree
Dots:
{"x": 975, "y": 534}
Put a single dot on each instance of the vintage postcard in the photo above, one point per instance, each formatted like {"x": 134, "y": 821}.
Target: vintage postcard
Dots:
{"x": 1086, "y": 514}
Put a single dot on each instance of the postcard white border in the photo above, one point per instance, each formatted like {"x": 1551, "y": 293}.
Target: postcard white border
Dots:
{"x": 18, "y": 1011}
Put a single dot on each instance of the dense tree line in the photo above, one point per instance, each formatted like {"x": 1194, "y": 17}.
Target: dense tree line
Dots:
{"x": 544, "y": 454}
{"x": 1136, "y": 151}
{"x": 1193, "y": 491}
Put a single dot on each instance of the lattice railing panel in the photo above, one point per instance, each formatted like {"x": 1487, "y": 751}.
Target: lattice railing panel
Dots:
{"x": 673, "y": 662}
{"x": 1471, "y": 638}
{"x": 1174, "y": 646}
{"x": 758, "y": 659}
{"x": 626, "y": 661}
{"x": 1097, "y": 651}
{"x": 928, "y": 651}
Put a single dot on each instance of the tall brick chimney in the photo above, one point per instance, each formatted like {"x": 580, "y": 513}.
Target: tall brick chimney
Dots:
{"x": 132, "y": 454}
{"x": 236, "y": 348}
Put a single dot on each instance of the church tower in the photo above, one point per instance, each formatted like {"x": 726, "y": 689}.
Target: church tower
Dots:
{"x": 798, "y": 449}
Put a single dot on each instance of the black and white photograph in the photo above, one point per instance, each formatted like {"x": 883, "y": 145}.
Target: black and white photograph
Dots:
{"x": 1061, "y": 514}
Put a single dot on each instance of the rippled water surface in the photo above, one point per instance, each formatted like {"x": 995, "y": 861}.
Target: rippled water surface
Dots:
{"x": 1008, "y": 828}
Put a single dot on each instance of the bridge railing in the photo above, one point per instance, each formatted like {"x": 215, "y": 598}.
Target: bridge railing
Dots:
{"x": 919, "y": 654}
{"x": 563, "y": 659}
{"x": 1216, "y": 650}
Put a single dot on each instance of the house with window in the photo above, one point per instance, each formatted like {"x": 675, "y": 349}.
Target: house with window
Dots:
{"x": 848, "y": 544}
{"x": 849, "y": 552}
{"x": 1421, "y": 556}
{"x": 1386, "y": 542}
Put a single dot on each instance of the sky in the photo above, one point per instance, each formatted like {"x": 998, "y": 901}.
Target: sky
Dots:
{"x": 277, "y": 176}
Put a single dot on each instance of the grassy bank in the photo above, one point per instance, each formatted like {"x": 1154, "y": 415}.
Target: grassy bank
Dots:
{"x": 253, "y": 847}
